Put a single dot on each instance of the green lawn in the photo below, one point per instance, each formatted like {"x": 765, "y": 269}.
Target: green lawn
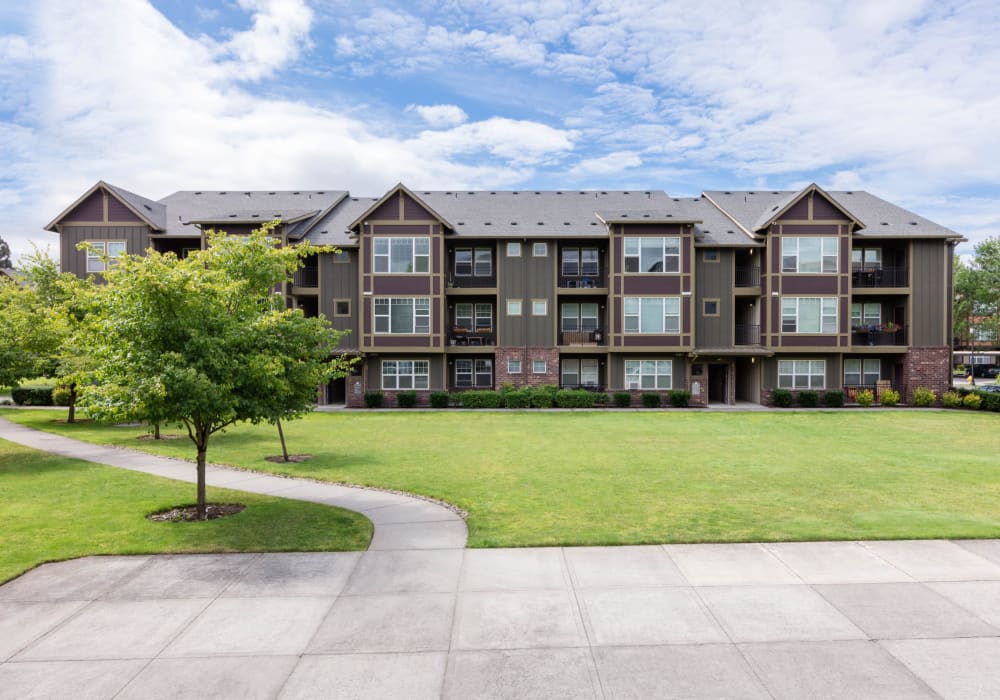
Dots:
{"x": 52, "y": 508}
{"x": 533, "y": 478}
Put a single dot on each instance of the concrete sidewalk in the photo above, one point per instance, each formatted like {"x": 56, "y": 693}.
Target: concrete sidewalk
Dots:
{"x": 834, "y": 619}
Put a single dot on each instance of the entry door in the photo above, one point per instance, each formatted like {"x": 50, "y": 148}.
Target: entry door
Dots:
{"x": 717, "y": 383}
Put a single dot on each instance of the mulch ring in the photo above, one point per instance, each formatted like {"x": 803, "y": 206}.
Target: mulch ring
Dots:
{"x": 181, "y": 514}
{"x": 280, "y": 459}
{"x": 163, "y": 436}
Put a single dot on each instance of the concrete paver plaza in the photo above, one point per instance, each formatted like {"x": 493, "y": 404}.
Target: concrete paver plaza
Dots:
{"x": 418, "y": 615}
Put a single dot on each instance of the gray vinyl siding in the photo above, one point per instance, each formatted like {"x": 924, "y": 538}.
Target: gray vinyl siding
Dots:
{"x": 437, "y": 379}
{"x": 527, "y": 278}
{"x": 616, "y": 369}
{"x": 340, "y": 281}
{"x": 930, "y": 261}
{"x": 72, "y": 260}
{"x": 714, "y": 281}
{"x": 833, "y": 368}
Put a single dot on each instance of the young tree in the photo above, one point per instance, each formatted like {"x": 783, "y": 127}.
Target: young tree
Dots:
{"x": 5, "y": 262}
{"x": 31, "y": 330}
{"x": 977, "y": 295}
{"x": 205, "y": 341}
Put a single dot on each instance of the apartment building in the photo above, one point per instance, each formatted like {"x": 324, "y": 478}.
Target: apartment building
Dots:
{"x": 728, "y": 295}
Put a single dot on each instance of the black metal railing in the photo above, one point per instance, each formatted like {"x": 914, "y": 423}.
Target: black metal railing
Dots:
{"x": 472, "y": 338}
{"x": 851, "y": 392}
{"x": 747, "y": 334}
{"x": 597, "y": 337}
{"x": 582, "y": 281}
{"x": 878, "y": 335}
{"x": 869, "y": 277}
{"x": 306, "y": 277}
{"x": 747, "y": 275}
{"x": 472, "y": 281}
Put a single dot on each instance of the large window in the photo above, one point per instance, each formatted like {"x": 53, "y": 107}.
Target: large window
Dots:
{"x": 98, "y": 249}
{"x": 866, "y": 259}
{"x": 651, "y": 254}
{"x": 866, "y": 315}
{"x": 402, "y": 255}
{"x": 580, "y": 373}
{"x": 405, "y": 374}
{"x": 474, "y": 317}
{"x": 579, "y": 317}
{"x": 652, "y": 315}
{"x": 649, "y": 374}
{"x": 578, "y": 262}
{"x": 809, "y": 315}
{"x": 862, "y": 372}
{"x": 802, "y": 374}
{"x": 473, "y": 373}
{"x": 394, "y": 315}
{"x": 473, "y": 262}
{"x": 811, "y": 255}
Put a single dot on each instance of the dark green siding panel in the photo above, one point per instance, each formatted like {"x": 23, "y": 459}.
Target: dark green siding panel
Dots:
{"x": 340, "y": 281}
{"x": 714, "y": 281}
{"x": 72, "y": 260}
{"x": 527, "y": 278}
{"x": 929, "y": 279}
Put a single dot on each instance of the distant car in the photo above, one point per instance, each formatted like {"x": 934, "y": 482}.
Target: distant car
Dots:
{"x": 984, "y": 371}
{"x": 992, "y": 372}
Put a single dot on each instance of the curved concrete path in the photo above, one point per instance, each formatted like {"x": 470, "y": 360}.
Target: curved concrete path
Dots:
{"x": 401, "y": 522}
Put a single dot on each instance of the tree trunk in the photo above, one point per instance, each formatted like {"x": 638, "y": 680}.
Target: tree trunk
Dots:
{"x": 281, "y": 434}
{"x": 156, "y": 431}
{"x": 71, "y": 418}
{"x": 202, "y": 445}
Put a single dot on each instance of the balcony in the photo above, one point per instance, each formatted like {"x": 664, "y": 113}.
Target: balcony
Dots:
{"x": 878, "y": 336}
{"x": 462, "y": 337}
{"x": 747, "y": 334}
{"x": 595, "y": 281}
{"x": 747, "y": 276}
{"x": 472, "y": 281}
{"x": 583, "y": 338}
{"x": 306, "y": 277}
{"x": 879, "y": 277}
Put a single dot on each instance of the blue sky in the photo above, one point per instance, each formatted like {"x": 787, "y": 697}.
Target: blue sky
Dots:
{"x": 897, "y": 97}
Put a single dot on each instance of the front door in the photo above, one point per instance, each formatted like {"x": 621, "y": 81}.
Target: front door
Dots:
{"x": 717, "y": 377}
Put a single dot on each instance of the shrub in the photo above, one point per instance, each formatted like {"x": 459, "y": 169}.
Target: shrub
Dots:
{"x": 809, "y": 399}
{"x": 406, "y": 399}
{"x": 481, "y": 399}
{"x": 574, "y": 398}
{"x": 951, "y": 399}
{"x": 623, "y": 399}
{"x": 374, "y": 399}
{"x": 650, "y": 399}
{"x": 923, "y": 396}
{"x": 520, "y": 398}
{"x": 890, "y": 397}
{"x": 61, "y": 396}
{"x": 833, "y": 399}
{"x": 34, "y": 396}
{"x": 439, "y": 399}
{"x": 542, "y": 399}
{"x": 972, "y": 401}
{"x": 600, "y": 398}
{"x": 679, "y": 398}
{"x": 990, "y": 400}
{"x": 866, "y": 398}
{"x": 782, "y": 398}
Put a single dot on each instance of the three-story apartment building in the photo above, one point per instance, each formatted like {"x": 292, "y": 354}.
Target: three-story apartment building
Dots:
{"x": 728, "y": 295}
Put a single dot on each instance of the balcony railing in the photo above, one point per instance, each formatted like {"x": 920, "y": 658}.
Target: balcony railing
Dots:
{"x": 851, "y": 392}
{"x": 306, "y": 277}
{"x": 582, "y": 281}
{"x": 472, "y": 281}
{"x": 748, "y": 276}
{"x": 877, "y": 335}
{"x": 870, "y": 277}
{"x": 480, "y": 337}
{"x": 747, "y": 334}
{"x": 582, "y": 338}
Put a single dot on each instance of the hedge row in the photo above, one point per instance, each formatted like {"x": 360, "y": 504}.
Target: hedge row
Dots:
{"x": 546, "y": 396}
{"x": 972, "y": 399}
{"x": 35, "y": 396}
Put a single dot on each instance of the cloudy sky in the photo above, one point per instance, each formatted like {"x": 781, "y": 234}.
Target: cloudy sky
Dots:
{"x": 897, "y": 97}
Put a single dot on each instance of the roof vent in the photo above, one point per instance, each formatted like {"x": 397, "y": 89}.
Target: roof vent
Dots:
{"x": 670, "y": 215}
{"x": 751, "y": 193}
{"x": 515, "y": 193}
{"x": 197, "y": 192}
{"x": 256, "y": 216}
{"x": 603, "y": 192}
{"x": 296, "y": 193}
{"x": 247, "y": 194}
{"x": 232, "y": 216}
{"x": 487, "y": 224}
{"x": 513, "y": 223}
{"x": 492, "y": 192}
{"x": 222, "y": 192}
{"x": 626, "y": 193}
{"x": 426, "y": 193}
{"x": 706, "y": 230}
{"x": 624, "y": 216}
{"x": 885, "y": 223}
{"x": 849, "y": 192}
{"x": 582, "y": 192}
{"x": 593, "y": 223}
{"x": 321, "y": 193}
{"x": 537, "y": 192}
{"x": 913, "y": 223}
{"x": 461, "y": 223}
{"x": 722, "y": 193}
{"x": 645, "y": 216}
{"x": 448, "y": 193}
{"x": 272, "y": 192}
{"x": 353, "y": 199}
{"x": 730, "y": 231}
{"x": 148, "y": 208}
{"x": 558, "y": 192}
{"x": 541, "y": 223}
{"x": 565, "y": 223}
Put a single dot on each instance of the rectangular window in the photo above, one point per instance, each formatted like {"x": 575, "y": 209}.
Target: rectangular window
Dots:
{"x": 513, "y": 307}
{"x": 802, "y": 374}
{"x": 341, "y": 307}
{"x": 513, "y": 366}
{"x": 710, "y": 307}
{"x": 710, "y": 255}
{"x": 98, "y": 250}
{"x": 579, "y": 317}
{"x": 473, "y": 262}
{"x": 809, "y": 314}
{"x": 580, "y": 262}
{"x": 393, "y": 315}
{"x": 463, "y": 262}
{"x": 473, "y": 373}
{"x": 463, "y": 374}
{"x": 484, "y": 262}
{"x": 866, "y": 259}
{"x": 484, "y": 317}
{"x": 652, "y": 255}
{"x": 539, "y": 307}
{"x": 538, "y": 366}
{"x": 405, "y": 374}
{"x": 397, "y": 255}
{"x": 649, "y": 374}
{"x": 865, "y": 315}
{"x": 540, "y": 250}
{"x": 579, "y": 373}
{"x": 513, "y": 249}
{"x": 464, "y": 315}
{"x": 652, "y": 315}
{"x": 862, "y": 372}
{"x": 814, "y": 254}
{"x": 342, "y": 256}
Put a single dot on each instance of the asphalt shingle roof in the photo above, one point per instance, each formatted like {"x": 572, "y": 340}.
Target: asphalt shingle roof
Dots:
{"x": 156, "y": 212}
{"x": 243, "y": 206}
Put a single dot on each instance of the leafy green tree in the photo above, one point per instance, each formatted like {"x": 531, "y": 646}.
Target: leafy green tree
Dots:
{"x": 5, "y": 255}
{"x": 977, "y": 294}
{"x": 206, "y": 341}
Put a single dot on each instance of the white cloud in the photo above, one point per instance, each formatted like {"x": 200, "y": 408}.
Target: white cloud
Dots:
{"x": 440, "y": 115}
{"x": 605, "y": 165}
{"x": 280, "y": 28}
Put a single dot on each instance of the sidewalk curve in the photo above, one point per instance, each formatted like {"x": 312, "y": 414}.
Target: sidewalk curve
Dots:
{"x": 401, "y": 522}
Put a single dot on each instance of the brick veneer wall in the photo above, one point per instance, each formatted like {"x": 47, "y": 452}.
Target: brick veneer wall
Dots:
{"x": 526, "y": 356}
{"x": 355, "y": 392}
{"x": 926, "y": 367}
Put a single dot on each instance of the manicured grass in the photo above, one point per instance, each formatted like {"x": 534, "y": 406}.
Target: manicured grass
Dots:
{"x": 52, "y": 508}
{"x": 533, "y": 478}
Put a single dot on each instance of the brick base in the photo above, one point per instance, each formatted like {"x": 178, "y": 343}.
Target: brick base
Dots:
{"x": 527, "y": 356}
{"x": 355, "y": 388}
{"x": 926, "y": 367}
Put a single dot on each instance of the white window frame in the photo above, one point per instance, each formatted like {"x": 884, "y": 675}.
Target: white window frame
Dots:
{"x": 513, "y": 307}
{"x": 828, "y": 311}
{"x": 539, "y": 307}
{"x": 513, "y": 366}
{"x": 579, "y": 267}
{"x": 540, "y": 249}
{"x": 640, "y": 313}
{"x": 420, "y": 308}
{"x": 99, "y": 249}
{"x": 862, "y": 316}
{"x": 513, "y": 249}
{"x": 652, "y": 373}
{"x": 668, "y": 262}
{"x": 802, "y": 374}
{"x": 480, "y": 262}
{"x": 464, "y": 369}
{"x": 863, "y": 369}
{"x": 827, "y": 262}
{"x": 382, "y": 258}
{"x": 406, "y": 374}
{"x": 535, "y": 364}
{"x": 579, "y": 321}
